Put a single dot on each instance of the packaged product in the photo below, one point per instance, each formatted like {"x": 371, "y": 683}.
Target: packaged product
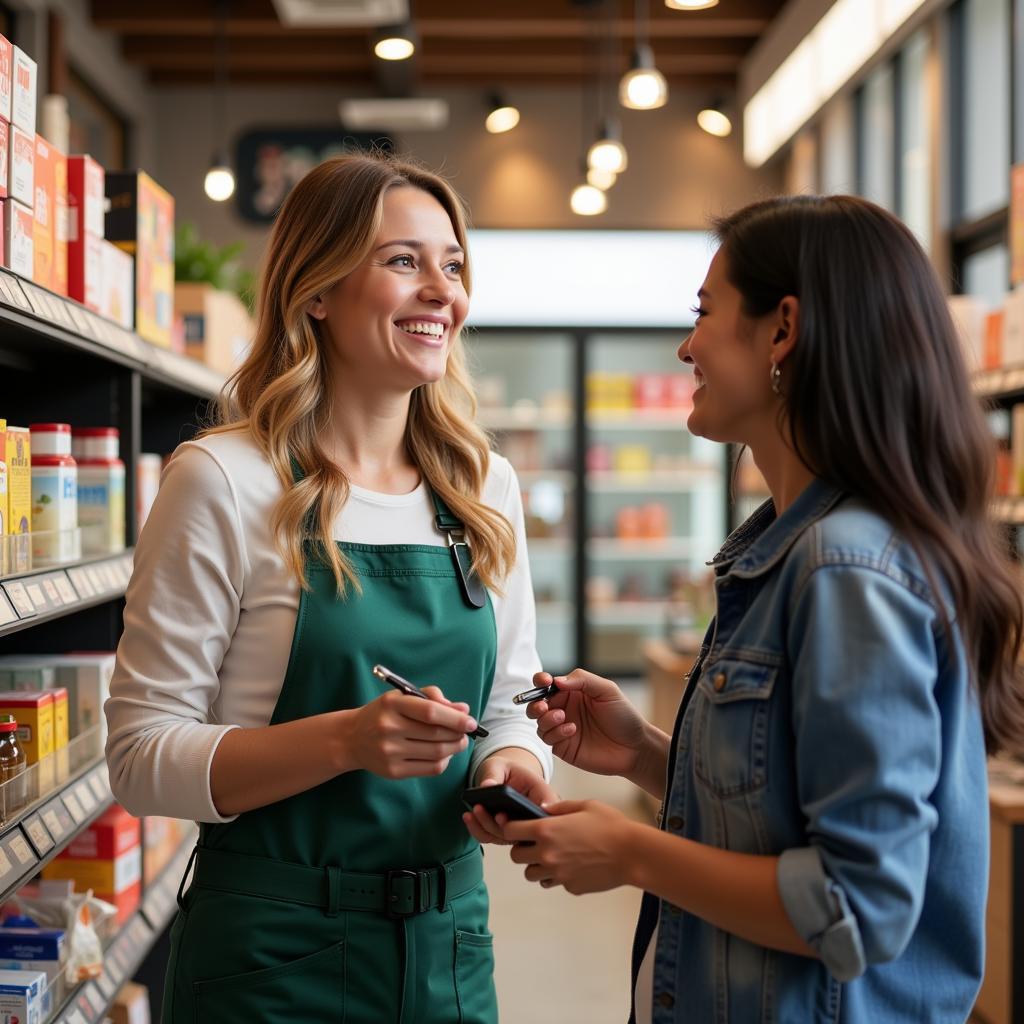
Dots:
{"x": 13, "y": 762}
{"x": 23, "y": 92}
{"x": 60, "y": 223}
{"x": 131, "y": 1005}
{"x": 5, "y": 156}
{"x": 140, "y": 220}
{"x": 85, "y": 229}
{"x": 87, "y": 679}
{"x": 22, "y": 163}
{"x": 18, "y": 231}
{"x": 43, "y": 212}
{"x": 6, "y": 75}
{"x": 117, "y": 285}
{"x": 101, "y": 481}
{"x": 4, "y": 561}
{"x": 32, "y": 949}
{"x": 24, "y": 997}
{"x": 18, "y": 446}
{"x": 55, "y": 536}
{"x": 34, "y": 714}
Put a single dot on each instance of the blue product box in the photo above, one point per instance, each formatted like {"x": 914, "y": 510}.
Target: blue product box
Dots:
{"x": 31, "y": 943}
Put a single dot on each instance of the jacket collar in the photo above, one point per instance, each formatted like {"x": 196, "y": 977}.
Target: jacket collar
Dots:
{"x": 759, "y": 543}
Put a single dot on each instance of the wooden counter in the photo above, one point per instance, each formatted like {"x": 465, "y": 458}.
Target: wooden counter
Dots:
{"x": 1001, "y": 1000}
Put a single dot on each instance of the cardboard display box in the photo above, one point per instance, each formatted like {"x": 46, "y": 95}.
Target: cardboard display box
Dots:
{"x": 117, "y": 295}
{"x": 44, "y": 213}
{"x": 23, "y": 91}
{"x": 218, "y": 327}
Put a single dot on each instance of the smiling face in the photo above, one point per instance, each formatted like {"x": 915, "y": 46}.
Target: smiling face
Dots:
{"x": 731, "y": 355}
{"x": 390, "y": 323}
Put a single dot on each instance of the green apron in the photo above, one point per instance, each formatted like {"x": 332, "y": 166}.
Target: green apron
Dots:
{"x": 360, "y": 901}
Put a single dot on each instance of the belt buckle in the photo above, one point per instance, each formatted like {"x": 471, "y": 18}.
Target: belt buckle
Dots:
{"x": 391, "y": 896}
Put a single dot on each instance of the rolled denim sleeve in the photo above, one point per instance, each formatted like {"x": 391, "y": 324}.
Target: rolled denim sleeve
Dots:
{"x": 868, "y": 748}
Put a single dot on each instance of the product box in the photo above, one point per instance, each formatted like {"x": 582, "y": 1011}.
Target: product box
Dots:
{"x": 994, "y": 335}
{"x": 21, "y": 166}
{"x": 18, "y": 238}
{"x": 968, "y": 313}
{"x": 27, "y": 672}
{"x": 44, "y": 213}
{"x": 85, "y": 271}
{"x": 117, "y": 293}
{"x": 60, "y": 222}
{"x": 23, "y": 92}
{"x": 3, "y": 498}
{"x": 161, "y": 839}
{"x": 39, "y": 949}
{"x": 34, "y": 712}
{"x": 140, "y": 220}
{"x": 85, "y": 203}
{"x": 6, "y": 79}
{"x": 107, "y": 858}
{"x": 24, "y": 997}
{"x": 5, "y": 156}
{"x": 87, "y": 679}
{"x": 60, "y": 716}
{"x": 17, "y": 455}
{"x": 218, "y": 327}
{"x": 131, "y": 1005}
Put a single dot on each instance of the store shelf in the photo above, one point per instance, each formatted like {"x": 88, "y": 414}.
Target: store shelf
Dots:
{"x": 89, "y": 1002}
{"x": 548, "y": 547}
{"x": 667, "y": 481}
{"x": 34, "y": 313}
{"x": 639, "y": 419}
{"x": 50, "y": 593}
{"x": 627, "y": 613}
{"x": 668, "y": 547}
{"x": 562, "y": 477}
{"x": 549, "y": 610}
{"x": 527, "y": 418}
{"x": 1008, "y": 510}
{"x": 1003, "y": 382}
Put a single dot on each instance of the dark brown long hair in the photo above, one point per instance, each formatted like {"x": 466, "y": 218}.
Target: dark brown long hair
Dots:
{"x": 878, "y": 403}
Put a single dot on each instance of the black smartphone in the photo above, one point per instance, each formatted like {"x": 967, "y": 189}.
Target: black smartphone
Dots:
{"x": 503, "y": 800}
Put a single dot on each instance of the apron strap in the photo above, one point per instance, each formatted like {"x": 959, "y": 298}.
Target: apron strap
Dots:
{"x": 449, "y": 524}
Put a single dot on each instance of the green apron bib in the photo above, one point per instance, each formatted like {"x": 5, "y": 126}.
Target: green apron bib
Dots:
{"x": 360, "y": 901}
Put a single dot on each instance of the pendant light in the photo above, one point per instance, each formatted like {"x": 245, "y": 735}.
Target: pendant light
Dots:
{"x": 501, "y": 116}
{"x": 601, "y": 179}
{"x": 219, "y": 183}
{"x": 643, "y": 86}
{"x": 607, "y": 152}
{"x": 588, "y": 201}
{"x": 715, "y": 121}
{"x": 690, "y": 5}
{"x": 397, "y": 42}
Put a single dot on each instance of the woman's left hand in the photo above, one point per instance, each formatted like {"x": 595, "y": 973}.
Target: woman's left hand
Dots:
{"x": 583, "y": 846}
{"x": 497, "y": 771}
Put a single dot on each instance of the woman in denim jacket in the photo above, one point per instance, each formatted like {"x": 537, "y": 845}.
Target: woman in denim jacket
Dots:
{"x": 823, "y": 849}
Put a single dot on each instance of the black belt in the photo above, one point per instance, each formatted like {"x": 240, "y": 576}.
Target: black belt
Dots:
{"x": 398, "y": 893}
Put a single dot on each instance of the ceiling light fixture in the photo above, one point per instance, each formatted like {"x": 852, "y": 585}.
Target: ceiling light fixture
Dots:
{"x": 643, "y": 86}
{"x": 219, "y": 183}
{"x": 601, "y": 179}
{"x": 608, "y": 153}
{"x": 501, "y": 116}
{"x": 587, "y": 201}
{"x": 690, "y": 5}
{"x": 715, "y": 121}
{"x": 398, "y": 42}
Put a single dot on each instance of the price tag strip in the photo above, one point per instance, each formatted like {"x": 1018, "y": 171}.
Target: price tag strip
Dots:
{"x": 86, "y": 797}
{"x": 64, "y": 588}
{"x": 23, "y": 605}
{"x": 99, "y": 785}
{"x": 36, "y": 596}
{"x": 18, "y": 846}
{"x": 80, "y": 579}
{"x": 7, "y": 612}
{"x": 38, "y": 835}
{"x": 75, "y": 808}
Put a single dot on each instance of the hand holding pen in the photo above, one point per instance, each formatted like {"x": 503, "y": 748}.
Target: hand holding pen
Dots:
{"x": 411, "y": 690}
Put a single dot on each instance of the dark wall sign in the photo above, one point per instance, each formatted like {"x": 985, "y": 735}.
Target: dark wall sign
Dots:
{"x": 269, "y": 161}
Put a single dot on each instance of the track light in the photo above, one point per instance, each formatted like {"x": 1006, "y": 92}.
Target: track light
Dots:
{"x": 398, "y": 42}
{"x": 587, "y": 201}
{"x": 715, "y": 121}
{"x": 502, "y": 116}
{"x": 608, "y": 153}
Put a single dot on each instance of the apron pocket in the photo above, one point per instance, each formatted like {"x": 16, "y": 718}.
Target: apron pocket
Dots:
{"x": 474, "y": 978}
{"x": 311, "y": 989}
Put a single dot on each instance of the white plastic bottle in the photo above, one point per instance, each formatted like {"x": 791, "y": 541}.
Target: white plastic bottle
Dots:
{"x": 101, "y": 477}
{"x": 55, "y": 537}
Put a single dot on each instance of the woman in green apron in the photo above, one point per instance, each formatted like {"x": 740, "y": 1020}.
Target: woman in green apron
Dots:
{"x": 345, "y": 512}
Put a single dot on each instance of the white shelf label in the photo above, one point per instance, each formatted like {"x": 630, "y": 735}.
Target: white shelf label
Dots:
{"x": 95, "y": 997}
{"x": 36, "y": 595}
{"x": 38, "y": 834}
{"x": 64, "y": 589}
{"x": 52, "y": 822}
{"x": 106, "y": 984}
{"x": 21, "y": 850}
{"x": 19, "y": 598}
{"x": 99, "y": 785}
{"x": 95, "y": 579}
{"x": 7, "y": 612}
{"x": 76, "y": 1017}
{"x": 75, "y": 808}
{"x": 5, "y": 863}
{"x": 85, "y": 797}
{"x": 81, "y": 582}
{"x": 50, "y": 588}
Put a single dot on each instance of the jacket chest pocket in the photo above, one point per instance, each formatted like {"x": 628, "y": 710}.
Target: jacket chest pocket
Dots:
{"x": 731, "y": 726}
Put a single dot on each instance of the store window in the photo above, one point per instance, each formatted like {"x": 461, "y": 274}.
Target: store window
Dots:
{"x": 877, "y": 145}
{"x": 986, "y": 115}
{"x": 914, "y": 142}
{"x": 986, "y": 274}
{"x": 838, "y": 162}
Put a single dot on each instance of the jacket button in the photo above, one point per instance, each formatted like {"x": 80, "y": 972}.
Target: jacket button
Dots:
{"x": 675, "y": 823}
{"x": 719, "y": 681}
{"x": 664, "y": 999}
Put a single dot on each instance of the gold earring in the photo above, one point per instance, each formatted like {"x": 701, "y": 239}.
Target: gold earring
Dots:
{"x": 775, "y": 378}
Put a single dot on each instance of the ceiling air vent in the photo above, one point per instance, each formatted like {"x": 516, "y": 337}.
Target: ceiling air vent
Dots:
{"x": 341, "y": 13}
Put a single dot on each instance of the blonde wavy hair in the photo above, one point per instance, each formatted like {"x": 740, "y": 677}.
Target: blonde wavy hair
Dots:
{"x": 281, "y": 395}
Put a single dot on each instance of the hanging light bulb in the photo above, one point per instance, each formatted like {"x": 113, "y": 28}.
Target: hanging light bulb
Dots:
{"x": 395, "y": 43}
{"x": 219, "y": 183}
{"x": 588, "y": 201}
{"x": 601, "y": 179}
{"x": 608, "y": 153}
{"x": 690, "y": 5}
{"x": 643, "y": 86}
{"x": 502, "y": 117}
{"x": 714, "y": 121}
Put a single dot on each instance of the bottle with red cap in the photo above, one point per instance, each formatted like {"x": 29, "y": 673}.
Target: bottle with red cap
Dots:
{"x": 55, "y": 536}
{"x": 101, "y": 476}
{"x": 13, "y": 792}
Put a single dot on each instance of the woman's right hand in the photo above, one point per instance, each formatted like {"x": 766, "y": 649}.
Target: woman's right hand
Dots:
{"x": 590, "y": 724}
{"x": 398, "y": 737}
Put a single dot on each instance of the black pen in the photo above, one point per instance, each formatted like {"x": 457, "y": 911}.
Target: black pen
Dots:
{"x": 537, "y": 693}
{"x": 394, "y": 679}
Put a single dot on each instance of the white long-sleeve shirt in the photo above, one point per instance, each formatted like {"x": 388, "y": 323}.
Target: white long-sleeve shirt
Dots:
{"x": 211, "y": 610}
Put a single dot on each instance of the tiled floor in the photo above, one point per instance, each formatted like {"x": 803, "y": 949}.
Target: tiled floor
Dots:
{"x": 562, "y": 959}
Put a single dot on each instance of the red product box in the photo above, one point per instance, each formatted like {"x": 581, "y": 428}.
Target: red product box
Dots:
{"x": 649, "y": 391}
{"x": 86, "y": 199}
{"x": 6, "y": 80}
{"x": 5, "y": 156}
{"x": 21, "y": 164}
{"x": 679, "y": 390}
{"x": 110, "y": 835}
{"x": 60, "y": 222}
{"x": 18, "y": 230}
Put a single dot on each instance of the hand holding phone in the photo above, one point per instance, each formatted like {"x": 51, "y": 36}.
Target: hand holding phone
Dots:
{"x": 503, "y": 800}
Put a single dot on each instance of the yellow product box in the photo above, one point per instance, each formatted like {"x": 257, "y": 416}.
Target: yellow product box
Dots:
{"x": 60, "y": 716}
{"x": 34, "y": 712}
{"x": 17, "y": 455}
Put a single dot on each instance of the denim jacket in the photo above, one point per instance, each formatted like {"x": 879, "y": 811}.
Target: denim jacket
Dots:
{"x": 830, "y": 722}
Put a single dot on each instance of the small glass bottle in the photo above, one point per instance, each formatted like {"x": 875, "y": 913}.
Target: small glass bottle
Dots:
{"x": 12, "y": 768}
